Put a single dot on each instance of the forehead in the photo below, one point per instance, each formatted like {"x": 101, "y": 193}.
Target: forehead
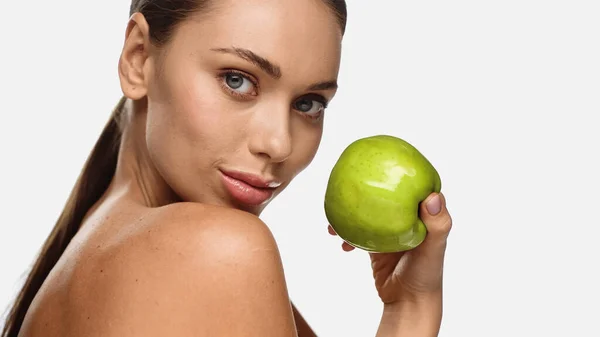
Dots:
{"x": 301, "y": 36}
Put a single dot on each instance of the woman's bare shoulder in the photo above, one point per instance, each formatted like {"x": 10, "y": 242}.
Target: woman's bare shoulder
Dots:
{"x": 215, "y": 226}
{"x": 197, "y": 270}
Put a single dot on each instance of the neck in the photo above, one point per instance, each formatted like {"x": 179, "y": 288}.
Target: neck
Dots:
{"x": 136, "y": 175}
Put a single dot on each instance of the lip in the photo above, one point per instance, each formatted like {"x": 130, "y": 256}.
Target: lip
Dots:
{"x": 247, "y": 188}
{"x": 252, "y": 179}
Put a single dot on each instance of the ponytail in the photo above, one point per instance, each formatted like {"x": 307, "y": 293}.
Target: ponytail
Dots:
{"x": 91, "y": 184}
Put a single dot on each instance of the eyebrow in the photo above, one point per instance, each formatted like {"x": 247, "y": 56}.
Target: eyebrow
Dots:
{"x": 327, "y": 85}
{"x": 269, "y": 67}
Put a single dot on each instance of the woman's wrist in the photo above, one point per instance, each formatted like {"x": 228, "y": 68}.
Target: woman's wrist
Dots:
{"x": 417, "y": 317}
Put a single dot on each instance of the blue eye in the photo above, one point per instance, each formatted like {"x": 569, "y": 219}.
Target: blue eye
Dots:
{"x": 234, "y": 81}
{"x": 309, "y": 106}
{"x": 239, "y": 83}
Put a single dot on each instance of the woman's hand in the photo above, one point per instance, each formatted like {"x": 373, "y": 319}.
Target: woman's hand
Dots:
{"x": 416, "y": 275}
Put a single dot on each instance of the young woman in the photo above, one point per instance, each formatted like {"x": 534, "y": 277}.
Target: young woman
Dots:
{"x": 223, "y": 106}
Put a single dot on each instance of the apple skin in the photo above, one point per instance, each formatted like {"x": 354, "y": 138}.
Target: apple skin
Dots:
{"x": 374, "y": 192}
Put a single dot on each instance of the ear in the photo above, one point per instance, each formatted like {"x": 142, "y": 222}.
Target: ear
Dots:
{"x": 133, "y": 63}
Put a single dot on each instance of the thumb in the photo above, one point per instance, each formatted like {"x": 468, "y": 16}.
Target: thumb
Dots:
{"x": 426, "y": 261}
{"x": 435, "y": 216}
{"x": 437, "y": 220}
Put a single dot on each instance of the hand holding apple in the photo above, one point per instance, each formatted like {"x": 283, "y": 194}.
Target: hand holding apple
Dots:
{"x": 383, "y": 196}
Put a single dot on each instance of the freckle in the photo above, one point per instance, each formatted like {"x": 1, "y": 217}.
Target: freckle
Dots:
{"x": 88, "y": 317}
{"x": 136, "y": 280}
{"x": 102, "y": 270}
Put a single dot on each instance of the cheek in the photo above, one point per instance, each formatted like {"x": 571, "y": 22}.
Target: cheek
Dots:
{"x": 307, "y": 139}
{"x": 212, "y": 123}
{"x": 193, "y": 106}
{"x": 186, "y": 132}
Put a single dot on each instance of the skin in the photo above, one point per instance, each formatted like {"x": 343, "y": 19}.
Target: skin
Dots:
{"x": 167, "y": 251}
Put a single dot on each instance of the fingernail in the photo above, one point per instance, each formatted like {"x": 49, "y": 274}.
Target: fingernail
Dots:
{"x": 434, "y": 206}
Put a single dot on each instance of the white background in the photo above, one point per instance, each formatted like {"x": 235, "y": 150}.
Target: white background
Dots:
{"x": 502, "y": 96}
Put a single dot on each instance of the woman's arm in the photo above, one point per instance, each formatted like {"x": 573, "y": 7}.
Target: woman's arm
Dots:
{"x": 412, "y": 319}
{"x": 422, "y": 319}
{"x": 302, "y": 327}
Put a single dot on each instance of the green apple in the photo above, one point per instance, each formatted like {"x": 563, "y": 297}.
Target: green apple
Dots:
{"x": 374, "y": 192}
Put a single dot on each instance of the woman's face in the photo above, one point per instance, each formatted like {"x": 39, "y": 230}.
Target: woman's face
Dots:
{"x": 236, "y": 101}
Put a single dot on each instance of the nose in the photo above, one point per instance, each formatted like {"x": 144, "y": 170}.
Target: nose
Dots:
{"x": 270, "y": 133}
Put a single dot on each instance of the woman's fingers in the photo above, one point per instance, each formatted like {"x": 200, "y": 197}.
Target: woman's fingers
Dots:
{"x": 331, "y": 230}
{"x": 345, "y": 245}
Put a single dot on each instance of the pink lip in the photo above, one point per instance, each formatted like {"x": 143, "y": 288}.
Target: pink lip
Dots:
{"x": 248, "y": 188}
{"x": 251, "y": 179}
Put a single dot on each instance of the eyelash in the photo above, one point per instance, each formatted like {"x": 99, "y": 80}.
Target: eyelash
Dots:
{"x": 222, "y": 77}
